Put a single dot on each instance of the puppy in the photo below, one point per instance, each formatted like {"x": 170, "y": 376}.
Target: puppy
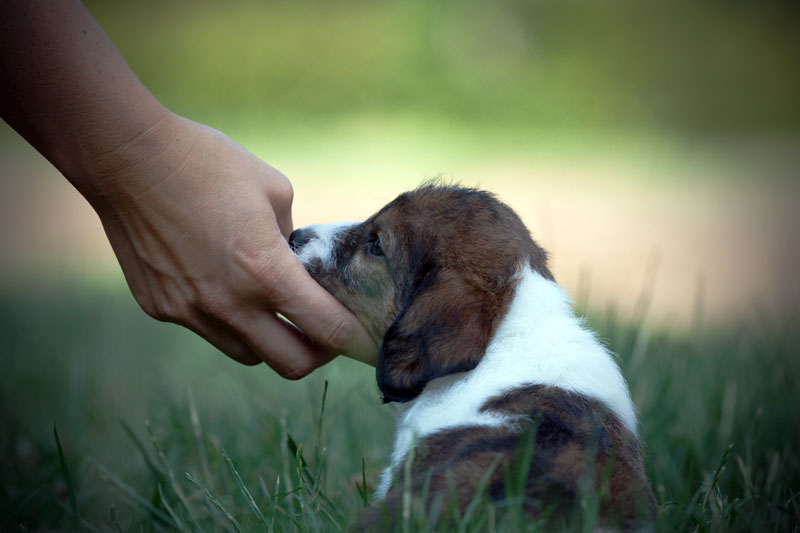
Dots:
{"x": 480, "y": 350}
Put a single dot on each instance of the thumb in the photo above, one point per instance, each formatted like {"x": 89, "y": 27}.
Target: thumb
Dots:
{"x": 321, "y": 316}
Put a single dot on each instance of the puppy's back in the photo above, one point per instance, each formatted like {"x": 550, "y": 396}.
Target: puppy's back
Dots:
{"x": 567, "y": 442}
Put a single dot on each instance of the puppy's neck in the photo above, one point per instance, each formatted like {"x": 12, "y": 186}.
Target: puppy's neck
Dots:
{"x": 539, "y": 341}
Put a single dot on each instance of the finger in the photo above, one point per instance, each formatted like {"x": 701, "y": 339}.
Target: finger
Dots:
{"x": 320, "y": 316}
{"x": 224, "y": 340}
{"x": 141, "y": 282}
{"x": 283, "y": 216}
{"x": 283, "y": 347}
{"x": 280, "y": 200}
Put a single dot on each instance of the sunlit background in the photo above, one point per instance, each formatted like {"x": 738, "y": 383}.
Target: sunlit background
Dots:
{"x": 642, "y": 143}
{"x": 653, "y": 148}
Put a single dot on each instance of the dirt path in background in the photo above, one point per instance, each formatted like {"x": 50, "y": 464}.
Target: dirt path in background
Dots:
{"x": 680, "y": 249}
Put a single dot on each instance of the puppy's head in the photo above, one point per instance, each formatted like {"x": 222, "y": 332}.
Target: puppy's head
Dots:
{"x": 430, "y": 276}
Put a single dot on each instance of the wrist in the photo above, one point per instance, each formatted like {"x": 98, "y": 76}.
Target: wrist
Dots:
{"x": 127, "y": 161}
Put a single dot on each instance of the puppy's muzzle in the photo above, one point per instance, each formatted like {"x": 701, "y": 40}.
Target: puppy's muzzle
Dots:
{"x": 300, "y": 237}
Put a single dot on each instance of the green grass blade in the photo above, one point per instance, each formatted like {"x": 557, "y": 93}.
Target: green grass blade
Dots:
{"x": 112, "y": 515}
{"x": 275, "y": 504}
{"x": 715, "y": 478}
{"x": 525, "y": 451}
{"x": 73, "y": 501}
{"x": 197, "y": 429}
{"x": 362, "y": 489}
{"x": 406, "y": 502}
{"x": 480, "y": 489}
{"x": 151, "y": 465}
{"x": 297, "y": 453}
{"x": 248, "y": 497}
{"x": 322, "y": 411}
{"x": 176, "y": 488}
{"x": 132, "y": 494}
{"x": 21, "y": 504}
{"x": 84, "y": 523}
{"x": 168, "y": 507}
{"x": 215, "y": 502}
{"x": 270, "y": 501}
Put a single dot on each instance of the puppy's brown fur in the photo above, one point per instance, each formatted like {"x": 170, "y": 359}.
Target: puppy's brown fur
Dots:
{"x": 432, "y": 294}
{"x": 573, "y": 443}
{"x": 433, "y": 305}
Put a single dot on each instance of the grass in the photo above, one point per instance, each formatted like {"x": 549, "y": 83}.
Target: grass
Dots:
{"x": 158, "y": 432}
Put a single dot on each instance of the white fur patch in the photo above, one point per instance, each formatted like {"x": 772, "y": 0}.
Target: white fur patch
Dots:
{"x": 539, "y": 342}
{"x": 321, "y": 246}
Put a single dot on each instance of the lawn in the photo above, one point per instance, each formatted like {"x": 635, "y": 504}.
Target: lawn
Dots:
{"x": 159, "y": 432}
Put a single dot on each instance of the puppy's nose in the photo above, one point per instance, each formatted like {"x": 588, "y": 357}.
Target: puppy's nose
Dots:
{"x": 300, "y": 238}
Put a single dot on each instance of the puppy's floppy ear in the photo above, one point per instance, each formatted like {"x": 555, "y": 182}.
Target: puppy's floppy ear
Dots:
{"x": 444, "y": 327}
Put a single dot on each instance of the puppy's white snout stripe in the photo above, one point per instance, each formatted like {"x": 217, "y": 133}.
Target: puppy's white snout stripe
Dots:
{"x": 318, "y": 242}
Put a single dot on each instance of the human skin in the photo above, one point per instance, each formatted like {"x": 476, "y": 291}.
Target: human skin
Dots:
{"x": 198, "y": 224}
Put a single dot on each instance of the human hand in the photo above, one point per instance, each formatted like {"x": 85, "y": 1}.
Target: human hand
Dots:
{"x": 197, "y": 222}
{"x": 199, "y": 226}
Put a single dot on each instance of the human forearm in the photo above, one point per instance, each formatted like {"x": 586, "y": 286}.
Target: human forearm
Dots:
{"x": 199, "y": 224}
{"x": 66, "y": 89}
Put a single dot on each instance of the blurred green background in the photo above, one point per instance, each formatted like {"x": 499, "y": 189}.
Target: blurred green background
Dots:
{"x": 653, "y": 148}
{"x": 686, "y": 68}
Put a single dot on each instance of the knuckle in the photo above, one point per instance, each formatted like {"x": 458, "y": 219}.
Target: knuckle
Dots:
{"x": 212, "y": 303}
{"x": 145, "y": 301}
{"x": 339, "y": 335}
{"x": 167, "y": 308}
{"x": 150, "y": 309}
{"x": 262, "y": 273}
{"x": 283, "y": 191}
{"x": 160, "y": 312}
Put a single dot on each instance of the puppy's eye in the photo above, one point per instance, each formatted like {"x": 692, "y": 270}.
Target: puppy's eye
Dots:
{"x": 373, "y": 246}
